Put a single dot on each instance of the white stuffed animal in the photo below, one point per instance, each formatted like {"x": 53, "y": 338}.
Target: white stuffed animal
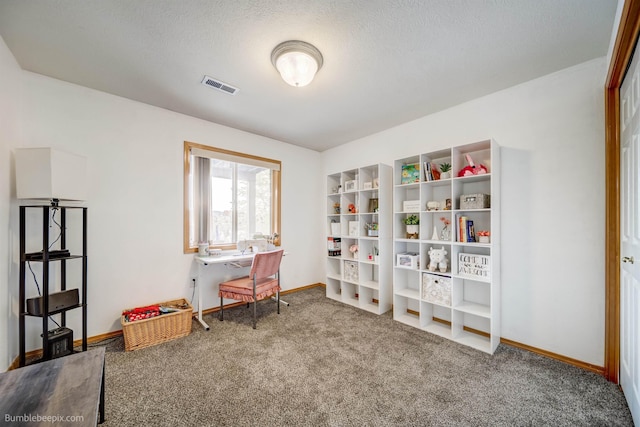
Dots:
{"x": 438, "y": 259}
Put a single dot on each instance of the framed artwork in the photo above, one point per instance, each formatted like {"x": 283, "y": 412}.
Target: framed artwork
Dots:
{"x": 410, "y": 173}
{"x": 354, "y": 228}
{"x": 350, "y": 185}
{"x": 474, "y": 266}
{"x": 407, "y": 260}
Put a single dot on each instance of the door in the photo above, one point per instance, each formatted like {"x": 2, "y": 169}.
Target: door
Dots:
{"x": 630, "y": 238}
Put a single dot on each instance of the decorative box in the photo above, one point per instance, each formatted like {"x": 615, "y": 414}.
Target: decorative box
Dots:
{"x": 351, "y": 271}
{"x": 474, "y": 266}
{"x": 411, "y": 206}
{"x": 474, "y": 201}
{"x": 436, "y": 289}
{"x": 408, "y": 260}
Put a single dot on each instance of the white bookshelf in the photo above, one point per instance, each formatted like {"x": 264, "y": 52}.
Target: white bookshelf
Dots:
{"x": 472, "y": 316}
{"x": 365, "y": 280}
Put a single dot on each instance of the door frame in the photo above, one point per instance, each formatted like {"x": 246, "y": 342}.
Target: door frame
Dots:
{"x": 628, "y": 30}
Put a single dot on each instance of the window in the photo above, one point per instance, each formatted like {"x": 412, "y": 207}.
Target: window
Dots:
{"x": 228, "y": 197}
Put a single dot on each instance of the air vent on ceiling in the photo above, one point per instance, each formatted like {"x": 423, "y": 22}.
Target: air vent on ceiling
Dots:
{"x": 221, "y": 86}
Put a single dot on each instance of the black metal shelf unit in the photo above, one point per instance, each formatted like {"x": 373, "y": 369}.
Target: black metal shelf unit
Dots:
{"x": 45, "y": 261}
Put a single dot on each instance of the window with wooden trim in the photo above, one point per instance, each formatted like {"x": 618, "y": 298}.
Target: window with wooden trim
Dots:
{"x": 228, "y": 197}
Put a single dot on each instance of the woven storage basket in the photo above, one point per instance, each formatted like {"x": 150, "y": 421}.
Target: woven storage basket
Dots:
{"x": 159, "y": 329}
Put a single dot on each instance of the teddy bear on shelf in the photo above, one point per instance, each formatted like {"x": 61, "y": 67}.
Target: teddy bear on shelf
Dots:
{"x": 438, "y": 259}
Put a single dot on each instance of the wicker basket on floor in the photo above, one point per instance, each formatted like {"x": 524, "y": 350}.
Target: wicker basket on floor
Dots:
{"x": 166, "y": 327}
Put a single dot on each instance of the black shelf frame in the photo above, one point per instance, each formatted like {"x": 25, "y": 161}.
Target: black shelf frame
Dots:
{"x": 46, "y": 222}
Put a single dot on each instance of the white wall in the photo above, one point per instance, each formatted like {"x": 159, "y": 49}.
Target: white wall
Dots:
{"x": 551, "y": 130}
{"x": 135, "y": 154}
{"x": 10, "y": 102}
{"x": 552, "y": 135}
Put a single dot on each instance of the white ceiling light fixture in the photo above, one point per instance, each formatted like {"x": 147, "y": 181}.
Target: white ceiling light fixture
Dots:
{"x": 297, "y": 62}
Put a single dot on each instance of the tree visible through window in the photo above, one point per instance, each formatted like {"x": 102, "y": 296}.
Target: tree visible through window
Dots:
{"x": 229, "y": 197}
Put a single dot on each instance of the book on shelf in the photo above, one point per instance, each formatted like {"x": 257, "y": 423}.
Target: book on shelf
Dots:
{"x": 465, "y": 230}
{"x": 427, "y": 172}
{"x": 462, "y": 229}
{"x": 471, "y": 235}
{"x": 333, "y": 246}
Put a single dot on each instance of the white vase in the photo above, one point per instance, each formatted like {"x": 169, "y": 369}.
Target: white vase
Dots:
{"x": 434, "y": 236}
{"x": 445, "y": 175}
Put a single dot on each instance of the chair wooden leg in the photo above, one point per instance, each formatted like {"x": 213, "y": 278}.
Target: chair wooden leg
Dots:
{"x": 255, "y": 302}
{"x": 221, "y": 315}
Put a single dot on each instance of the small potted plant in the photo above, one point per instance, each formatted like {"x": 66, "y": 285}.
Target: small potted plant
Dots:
{"x": 412, "y": 222}
{"x": 445, "y": 169}
{"x": 372, "y": 229}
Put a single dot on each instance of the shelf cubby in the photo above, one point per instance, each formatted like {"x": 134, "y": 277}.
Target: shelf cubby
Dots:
{"x": 364, "y": 281}
{"x": 406, "y": 310}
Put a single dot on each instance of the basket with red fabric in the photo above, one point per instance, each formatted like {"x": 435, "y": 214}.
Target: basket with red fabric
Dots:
{"x": 141, "y": 313}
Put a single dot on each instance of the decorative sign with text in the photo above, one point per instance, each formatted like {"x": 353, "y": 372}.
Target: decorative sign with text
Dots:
{"x": 474, "y": 266}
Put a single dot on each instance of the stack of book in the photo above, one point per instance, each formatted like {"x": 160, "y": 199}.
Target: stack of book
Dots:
{"x": 464, "y": 229}
{"x": 431, "y": 172}
{"x": 333, "y": 246}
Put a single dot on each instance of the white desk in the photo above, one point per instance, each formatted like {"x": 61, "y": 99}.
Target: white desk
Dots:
{"x": 235, "y": 260}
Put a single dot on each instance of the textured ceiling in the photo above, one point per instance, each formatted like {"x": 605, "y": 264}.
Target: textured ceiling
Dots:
{"x": 385, "y": 62}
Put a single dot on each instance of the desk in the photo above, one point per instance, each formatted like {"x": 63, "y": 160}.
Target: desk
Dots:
{"x": 69, "y": 386}
{"x": 236, "y": 260}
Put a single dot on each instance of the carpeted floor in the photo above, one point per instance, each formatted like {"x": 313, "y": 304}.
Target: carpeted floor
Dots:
{"x": 323, "y": 363}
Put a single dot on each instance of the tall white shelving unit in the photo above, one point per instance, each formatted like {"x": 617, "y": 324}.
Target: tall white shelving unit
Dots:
{"x": 363, "y": 279}
{"x": 470, "y": 312}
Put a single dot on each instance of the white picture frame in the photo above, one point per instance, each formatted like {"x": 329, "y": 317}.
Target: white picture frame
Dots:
{"x": 408, "y": 260}
{"x": 354, "y": 228}
{"x": 351, "y": 185}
